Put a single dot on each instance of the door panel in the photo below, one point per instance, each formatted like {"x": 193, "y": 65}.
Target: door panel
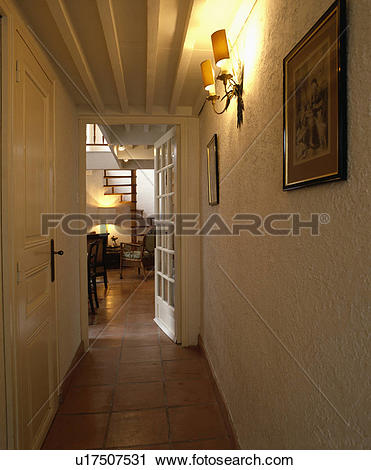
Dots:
{"x": 165, "y": 203}
{"x": 36, "y": 354}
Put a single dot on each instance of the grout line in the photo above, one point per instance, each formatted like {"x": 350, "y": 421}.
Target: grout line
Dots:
{"x": 126, "y": 410}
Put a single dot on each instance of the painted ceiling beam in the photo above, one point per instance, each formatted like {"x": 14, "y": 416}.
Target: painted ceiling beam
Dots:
{"x": 199, "y": 102}
{"x": 64, "y": 24}
{"x": 107, "y": 17}
{"x": 186, "y": 51}
{"x": 153, "y": 19}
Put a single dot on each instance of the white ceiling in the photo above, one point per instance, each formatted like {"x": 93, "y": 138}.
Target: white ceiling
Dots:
{"x": 133, "y": 134}
{"x": 131, "y": 56}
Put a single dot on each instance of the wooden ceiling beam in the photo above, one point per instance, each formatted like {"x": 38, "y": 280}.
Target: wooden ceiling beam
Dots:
{"x": 199, "y": 102}
{"x": 153, "y": 18}
{"x": 186, "y": 51}
{"x": 107, "y": 17}
{"x": 64, "y": 24}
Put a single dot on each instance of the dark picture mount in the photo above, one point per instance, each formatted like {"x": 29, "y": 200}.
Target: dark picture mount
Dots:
{"x": 315, "y": 104}
{"x": 212, "y": 171}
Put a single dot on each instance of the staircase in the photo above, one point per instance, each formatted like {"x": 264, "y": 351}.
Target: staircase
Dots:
{"x": 123, "y": 183}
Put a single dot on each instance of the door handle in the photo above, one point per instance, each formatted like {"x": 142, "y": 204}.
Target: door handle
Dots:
{"x": 52, "y": 261}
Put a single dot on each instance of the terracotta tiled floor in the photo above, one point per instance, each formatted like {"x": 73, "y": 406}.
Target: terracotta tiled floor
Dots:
{"x": 134, "y": 388}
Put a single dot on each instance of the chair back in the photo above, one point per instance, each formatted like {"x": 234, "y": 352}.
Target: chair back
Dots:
{"x": 102, "y": 240}
{"x": 92, "y": 257}
{"x": 149, "y": 240}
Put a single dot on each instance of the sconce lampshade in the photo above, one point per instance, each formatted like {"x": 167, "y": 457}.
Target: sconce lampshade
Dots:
{"x": 220, "y": 46}
{"x": 207, "y": 74}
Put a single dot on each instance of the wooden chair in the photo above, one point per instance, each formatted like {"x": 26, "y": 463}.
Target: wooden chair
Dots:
{"x": 139, "y": 254}
{"x": 92, "y": 274}
{"x": 102, "y": 240}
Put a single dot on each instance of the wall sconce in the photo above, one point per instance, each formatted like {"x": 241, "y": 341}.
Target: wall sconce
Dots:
{"x": 231, "y": 86}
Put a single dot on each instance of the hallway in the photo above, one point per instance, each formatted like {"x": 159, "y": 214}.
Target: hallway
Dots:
{"x": 134, "y": 388}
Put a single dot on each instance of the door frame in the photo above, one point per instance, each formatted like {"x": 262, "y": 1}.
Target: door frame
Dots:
{"x": 187, "y": 289}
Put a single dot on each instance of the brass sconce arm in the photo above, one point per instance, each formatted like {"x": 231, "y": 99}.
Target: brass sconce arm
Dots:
{"x": 232, "y": 88}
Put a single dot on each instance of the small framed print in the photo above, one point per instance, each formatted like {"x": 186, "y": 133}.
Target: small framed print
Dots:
{"x": 212, "y": 171}
{"x": 314, "y": 98}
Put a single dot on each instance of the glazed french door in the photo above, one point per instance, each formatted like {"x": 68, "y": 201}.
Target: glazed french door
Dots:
{"x": 165, "y": 256}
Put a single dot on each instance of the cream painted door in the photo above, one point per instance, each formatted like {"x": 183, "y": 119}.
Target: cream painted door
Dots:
{"x": 36, "y": 349}
{"x": 165, "y": 204}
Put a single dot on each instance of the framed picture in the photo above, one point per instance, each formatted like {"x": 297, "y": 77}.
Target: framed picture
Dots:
{"x": 212, "y": 171}
{"x": 314, "y": 98}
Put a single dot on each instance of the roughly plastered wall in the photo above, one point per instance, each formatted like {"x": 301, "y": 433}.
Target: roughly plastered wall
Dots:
{"x": 67, "y": 266}
{"x": 146, "y": 191}
{"x": 285, "y": 319}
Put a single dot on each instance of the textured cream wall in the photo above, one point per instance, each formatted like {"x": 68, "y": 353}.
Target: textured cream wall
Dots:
{"x": 67, "y": 266}
{"x": 309, "y": 388}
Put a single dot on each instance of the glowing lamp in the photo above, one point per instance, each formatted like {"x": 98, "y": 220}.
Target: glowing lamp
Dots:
{"x": 208, "y": 76}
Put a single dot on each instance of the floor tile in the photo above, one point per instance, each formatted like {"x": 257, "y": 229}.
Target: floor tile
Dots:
{"x": 134, "y": 396}
{"x": 137, "y": 340}
{"x": 185, "y": 370}
{"x": 103, "y": 375}
{"x": 113, "y": 331}
{"x": 142, "y": 329}
{"x": 136, "y": 428}
{"x": 139, "y": 318}
{"x": 166, "y": 446}
{"x": 189, "y": 392}
{"x": 97, "y": 399}
{"x": 172, "y": 351}
{"x": 127, "y": 368}
{"x": 164, "y": 339}
{"x": 196, "y": 422}
{"x": 107, "y": 342}
{"x": 207, "y": 444}
{"x": 140, "y": 354}
{"x": 100, "y": 356}
{"x": 77, "y": 432}
{"x": 140, "y": 372}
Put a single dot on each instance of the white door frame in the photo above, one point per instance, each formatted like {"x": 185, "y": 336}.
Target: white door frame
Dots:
{"x": 187, "y": 295}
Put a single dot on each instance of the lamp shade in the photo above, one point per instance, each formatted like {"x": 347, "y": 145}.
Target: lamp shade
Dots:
{"x": 207, "y": 74}
{"x": 220, "y": 46}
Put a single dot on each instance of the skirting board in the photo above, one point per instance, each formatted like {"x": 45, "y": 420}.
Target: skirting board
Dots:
{"x": 219, "y": 396}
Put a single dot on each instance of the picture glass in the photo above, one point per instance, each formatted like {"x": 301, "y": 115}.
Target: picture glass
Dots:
{"x": 212, "y": 171}
{"x": 311, "y": 97}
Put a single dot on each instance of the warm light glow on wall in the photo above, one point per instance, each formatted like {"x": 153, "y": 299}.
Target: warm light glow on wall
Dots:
{"x": 108, "y": 201}
{"x": 246, "y": 38}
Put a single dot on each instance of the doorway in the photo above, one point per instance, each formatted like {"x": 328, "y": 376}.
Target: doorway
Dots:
{"x": 187, "y": 289}
{"x": 131, "y": 169}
